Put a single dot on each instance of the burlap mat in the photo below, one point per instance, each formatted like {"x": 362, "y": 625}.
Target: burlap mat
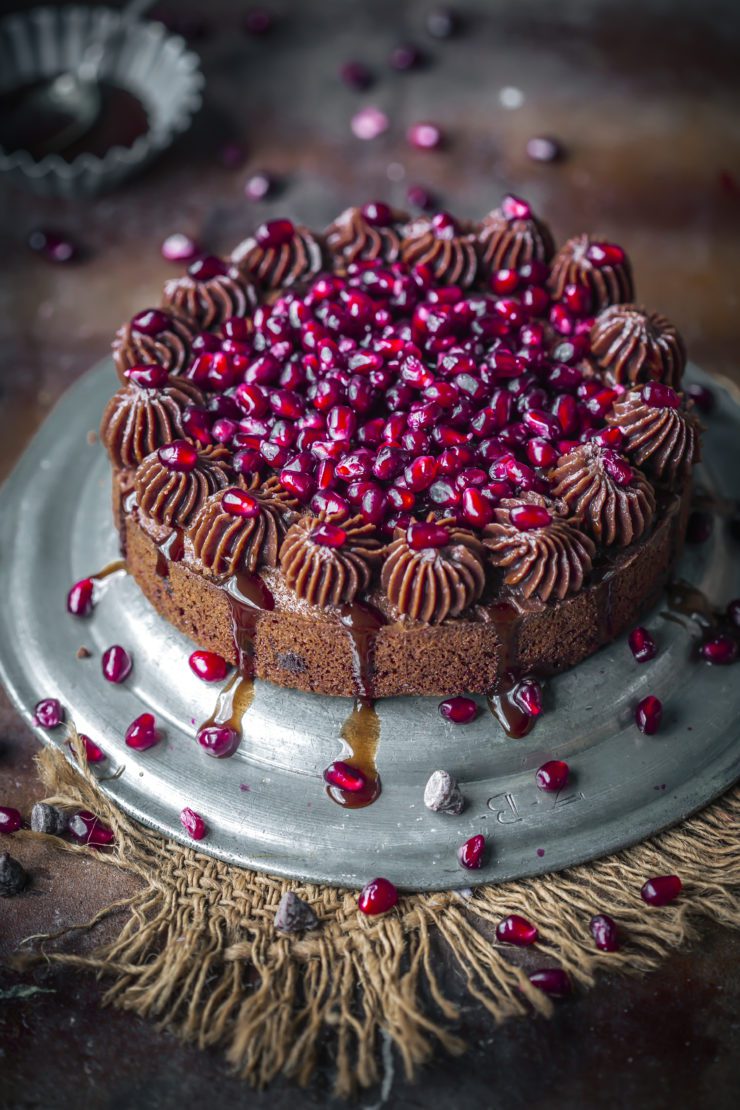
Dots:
{"x": 198, "y": 952}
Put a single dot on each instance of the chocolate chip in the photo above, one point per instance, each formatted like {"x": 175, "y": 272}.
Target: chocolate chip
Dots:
{"x": 294, "y": 915}
{"x": 48, "y": 819}
{"x": 442, "y": 794}
{"x": 83, "y": 653}
{"x": 13, "y": 877}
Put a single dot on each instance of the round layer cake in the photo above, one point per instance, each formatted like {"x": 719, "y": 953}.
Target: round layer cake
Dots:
{"x": 404, "y": 456}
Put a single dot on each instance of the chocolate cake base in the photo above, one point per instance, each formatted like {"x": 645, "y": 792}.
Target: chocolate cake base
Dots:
{"x": 313, "y": 650}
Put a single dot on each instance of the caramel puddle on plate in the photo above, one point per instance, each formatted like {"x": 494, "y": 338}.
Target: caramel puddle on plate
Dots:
{"x": 503, "y": 705}
{"x": 360, "y": 733}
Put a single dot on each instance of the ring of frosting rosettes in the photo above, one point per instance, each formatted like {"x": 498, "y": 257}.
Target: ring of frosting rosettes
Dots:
{"x": 391, "y": 370}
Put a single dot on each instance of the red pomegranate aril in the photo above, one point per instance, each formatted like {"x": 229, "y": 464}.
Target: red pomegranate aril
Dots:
{"x": 300, "y": 485}
{"x": 720, "y": 651}
{"x": 274, "y": 233}
{"x": 376, "y": 897}
{"x": 516, "y": 930}
{"x": 356, "y": 75}
{"x": 424, "y": 136}
{"x": 93, "y": 753}
{"x": 541, "y": 453}
{"x": 609, "y": 437}
{"x": 223, "y": 430}
{"x": 208, "y": 268}
{"x": 605, "y": 932}
{"x": 86, "y": 828}
{"x": 142, "y": 733}
{"x": 527, "y": 694}
{"x": 208, "y": 666}
{"x": 193, "y": 823}
{"x": 421, "y": 536}
{"x": 659, "y": 396}
{"x": 48, "y": 713}
{"x": 330, "y": 503}
{"x": 605, "y": 254}
{"x": 420, "y": 473}
{"x": 514, "y": 208}
{"x": 116, "y": 664}
{"x": 553, "y": 981}
{"x": 459, "y": 710}
{"x": 504, "y": 282}
{"x": 151, "y": 321}
{"x": 329, "y": 535}
{"x": 237, "y": 502}
{"x": 219, "y": 741}
{"x": 617, "y": 467}
{"x": 562, "y": 320}
{"x": 475, "y": 508}
{"x": 648, "y": 715}
{"x": 345, "y": 777}
{"x": 247, "y": 461}
{"x": 470, "y": 855}
{"x": 148, "y": 377}
{"x": 702, "y": 397}
{"x": 552, "y": 776}
{"x": 10, "y": 820}
{"x": 374, "y": 505}
{"x": 197, "y": 424}
{"x": 534, "y": 272}
{"x": 80, "y": 598}
{"x": 661, "y": 889}
{"x": 527, "y": 517}
{"x": 642, "y": 645}
{"x": 179, "y": 455}
{"x": 179, "y": 247}
{"x": 577, "y": 299}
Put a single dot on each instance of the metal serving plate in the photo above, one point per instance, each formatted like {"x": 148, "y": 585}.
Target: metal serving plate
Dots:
{"x": 266, "y": 807}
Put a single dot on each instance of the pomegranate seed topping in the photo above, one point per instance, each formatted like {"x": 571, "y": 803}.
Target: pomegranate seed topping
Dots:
{"x": 150, "y": 322}
{"x": 208, "y": 665}
{"x": 420, "y": 536}
{"x": 86, "y": 828}
{"x": 648, "y": 715}
{"x": 605, "y": 254}
{"x": 238, "y": 503}
{"x": 514, "y": 208}
{"x": 93, "y": 753}
{"x": 526, "y": 517}
{"x": 617, "y": 468}
{"x": 542, "y": 148}
{"x": 604, "y": 931}
{"x": 424, "y": 136}
{"x": 274, "y": 233}
{"x": 148, "y": 377}
{"x": 551, "y": 980}
{"x": 420, "y": 473}
{"x": 80, "y": 598}
{"x": 504, "y": 281}
{"x": 356, "y": 75}
{"x": 661, "y": 890}
{"x": 345, "y": 776}
{"x": 541, "y": 453}
{"x": 642, "y": 645}
{"x": 528, "y": 696}
{"x": 459, "y": 710}
{"x": 329, "y": 535}
{"x": 470, "y": 854}
{"x": 10, "y": 820}
{"x": 205, "y": 269}
{"x": 475, "y": 508}
{"x": 720, "y": 651}
{"x": 369, "y": 122}
{"x": 180, "y": 248}
{"x": 516, "y": 930}
{"x": 220, "y": 741}
{"x": 377, "y": 214}
{"x": 193, "y": 823}
{"x": 48, "y": 713}
{"x": 577, "y": 299}
{"x": 377, "y": 896}
{"x": 116, "y": 663}
{"x": 142, "y": 733}
{"x": 552, "y": 776}
{"x": 178, "y": 455}
{"x": 660, "y": 396}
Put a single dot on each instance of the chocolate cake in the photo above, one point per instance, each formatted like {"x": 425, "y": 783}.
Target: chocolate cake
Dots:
{"x": 404, "y": 456}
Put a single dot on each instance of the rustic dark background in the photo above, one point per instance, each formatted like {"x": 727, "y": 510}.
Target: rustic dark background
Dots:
{"x": 644, "y": 96}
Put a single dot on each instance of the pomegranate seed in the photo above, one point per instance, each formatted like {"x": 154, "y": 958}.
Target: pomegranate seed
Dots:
{"x": 346, "y": 777}
{"x": 377, "y": 896}
{"x": 605, "y": 254}
{"x": 577, "y": 299}
{"x": 193, "y": 823}
{"x": 116, "y": 664}
{"x": 642, "y": 645}
{"x": 356, "y": 76}
{"x": 148, "y": 377}
{"x": 238, "y": 503}
{"x": 420, "y": 473}
{"x": 54, "y": 246}
{"x": 702, "y": 397}
{"x": 208, "y": 268}
{"x": 516, "y": 930}
{"x": 514, "y": 208}
{"x": 617, "y": 467}
{"x": 142, "y": 733}
{"x": 720, "y": 651}
{"x": 86, "y": 828}
{"x": 526, "y": 517}
{"x": 150, "y": 322}
{"x": 648, "y": 715}
{"x": 424, "y": 136}
{"x": 48, "y": 713}
{"x": 80, "y": 598}
{"x": 528, "y": 696}
{"x": 93, "y": 753}
{"x": 470, "y": 855}
{"x": 180, "y": 248}
{"x": 459, "y": 710}
{"x": 274, "y": 233}
{"x": 475, "y": 509}
{"x": 421, "y": 536}
{"x": 504, "y": 281}
{"x": 541, "y": 453}
{"x": 10, "y": 820}
{"x": 179, "y": 455}
{"x": 208, "y": 666}
{"x": 605, "y": 933}
{"x": 661, "y": 890}
{"x": 369, "y": 123}
{"x": 551, "y": 980}
{"x": 259, "y": 186}
{"x": 220, "y": 741}
{"x": 542, "y": 148}
{"x": 405, "y": 57}
{"x": 552, "y": 776}
{"x": 420, "y": 197}
{"x": 660, "y": 396}
{"x": 329, "y": 535}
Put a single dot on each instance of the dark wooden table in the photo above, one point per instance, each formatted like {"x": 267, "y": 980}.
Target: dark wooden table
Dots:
{"x": 645, "y": 98}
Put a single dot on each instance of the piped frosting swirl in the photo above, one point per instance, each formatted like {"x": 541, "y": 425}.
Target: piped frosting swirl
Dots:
{"x": 602, "y": 267}
{"x": 511, "y": 236}
{"x": 137, "y": 421}
{"x": 633, "y": 345}
{"x": 662, "y": 438}
{"x": 540, "y": 557}
{"x": 153, "y": 337}
{"x": 328, "y": 562}
{"x": 212, "y": 291}
{"x": 353, "y": 237}
{"x": 173, "y": 497}
{"x": 281, "y": 265}
{"x": 610, "y": 498}
{"x": 431, "y": 583}
{"x": 229, "y": 541}
{"x": 445, "y": 246}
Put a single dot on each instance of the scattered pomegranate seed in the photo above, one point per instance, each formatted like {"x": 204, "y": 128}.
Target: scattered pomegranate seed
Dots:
{"x": 516, "y": 930}
{"x": 528, "y": 696}
{"x": 193, "y": 823}
{"x": 86, "y": 828}
{"x": 179, "y": 247}
{"x": 542, "y": 148}
{"x": 425, "y": 136}
{"x": 405, "y": 57}
{"x": 220, "y": 741}
{"x": 346, "y": 777}
{"x": 552, "y": 776}
{"x": 605, "y": 933}
{"x": 53, "y": 245}
{"x": 142, "y": 733}
{"x": 661, "y": 890}
{"x": 459, "y": 710}
{"x": 702, "y": 397}
{"x": 259, "y": 186}
{"x": 369, "y": 123}
{"x": 93, "y": 753}
{"x": 10, "y": 820}
{"x": 377, "y": 896}
{"x": 48, "y": 713}
{"x": 720, "y": 651}
{"x": 116, "y": 664}
{"x": 179, "y": 455}
{"x": 648, "y": 715}
{"x": 420, "y": 197}
{"x": 356, "y": 75}
{"x": 470, "y": 855}
{"x": 208, "y": 666}
{"x": 80, "y": 598}
{"x": 642, "y": 645}
{"x": 551, "y": 980}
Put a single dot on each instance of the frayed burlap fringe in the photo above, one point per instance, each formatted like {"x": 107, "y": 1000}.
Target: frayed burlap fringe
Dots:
{"x": 199, "y": 955}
